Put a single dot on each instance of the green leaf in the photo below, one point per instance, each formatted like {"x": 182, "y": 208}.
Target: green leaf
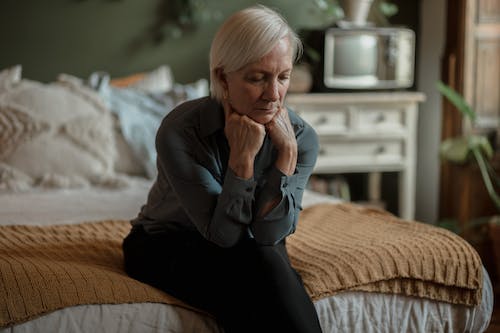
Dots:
{"x": 482, "y": 163}
{"x": 457, "y": 100}
{"x": 455, "y": 150}
{"x": 458, "y": 149}
{"x": 481, "y": 143}
{"x": 388, "y": 9}
{"x": 449, "y": 224}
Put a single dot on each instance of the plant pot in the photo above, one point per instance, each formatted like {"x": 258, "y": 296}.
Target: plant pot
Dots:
{"x": 356, "y": 11}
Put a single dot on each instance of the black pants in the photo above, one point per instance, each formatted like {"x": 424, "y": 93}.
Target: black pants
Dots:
{"x": 248, "y": 287}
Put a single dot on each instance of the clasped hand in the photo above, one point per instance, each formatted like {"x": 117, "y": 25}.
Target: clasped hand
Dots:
{"x": 246, "y": 136}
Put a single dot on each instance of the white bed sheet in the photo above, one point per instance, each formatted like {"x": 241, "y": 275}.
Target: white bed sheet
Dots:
{"x": 344, "y": 312}
{"x": 65, "y": 206}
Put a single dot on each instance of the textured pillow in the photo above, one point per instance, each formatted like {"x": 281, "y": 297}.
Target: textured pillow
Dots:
{"x": 126, "y": 161}
{"x": 9, "y": 77}
{"x": 56, "y": 135}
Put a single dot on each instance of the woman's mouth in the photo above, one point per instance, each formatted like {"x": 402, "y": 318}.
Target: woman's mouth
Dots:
{"x": 270, "y": 109}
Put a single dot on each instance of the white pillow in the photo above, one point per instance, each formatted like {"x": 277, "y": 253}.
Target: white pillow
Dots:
{"x": 126, "y": 161}
{"x": 56, "y": 134}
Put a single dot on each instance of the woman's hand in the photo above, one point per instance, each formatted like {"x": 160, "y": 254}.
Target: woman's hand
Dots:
{"x": 283, "y": 137}
{"x": 245, "y": 138}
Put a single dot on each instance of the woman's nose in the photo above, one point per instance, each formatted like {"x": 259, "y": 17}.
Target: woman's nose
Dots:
{"x": 271, "y": 92}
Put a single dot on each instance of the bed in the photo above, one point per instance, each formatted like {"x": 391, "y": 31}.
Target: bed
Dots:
{"x": 70, "y": 179}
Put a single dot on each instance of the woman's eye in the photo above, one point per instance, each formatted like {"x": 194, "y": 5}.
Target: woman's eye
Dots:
{"x": 256, "y": 78}
{"x": 284, "y": 77}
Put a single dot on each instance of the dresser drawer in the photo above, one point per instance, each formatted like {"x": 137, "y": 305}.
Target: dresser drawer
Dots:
{"x": 374, "y": 120}
{"x": 390, "y": 151}
{"x": 326, "y": 121}
{"x": 336, "y": 121}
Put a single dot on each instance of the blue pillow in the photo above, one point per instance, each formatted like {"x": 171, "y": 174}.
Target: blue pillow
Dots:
{"x": 140, "y": 113}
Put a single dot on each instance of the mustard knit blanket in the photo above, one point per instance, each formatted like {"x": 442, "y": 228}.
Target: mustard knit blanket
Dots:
{"x": 335, "y": 248}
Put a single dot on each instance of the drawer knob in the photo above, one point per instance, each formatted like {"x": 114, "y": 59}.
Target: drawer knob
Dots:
{"x": 380, "y": 150}
{"x": 322, "y": 120}
{"x": 380, "y": 118}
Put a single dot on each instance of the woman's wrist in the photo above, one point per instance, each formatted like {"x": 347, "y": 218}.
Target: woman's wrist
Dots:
{"x": 287, "y": 159}
{"x": 242, "y": 166}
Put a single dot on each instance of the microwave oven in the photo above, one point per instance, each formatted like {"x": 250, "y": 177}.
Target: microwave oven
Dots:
{"x": 368, "y": 58}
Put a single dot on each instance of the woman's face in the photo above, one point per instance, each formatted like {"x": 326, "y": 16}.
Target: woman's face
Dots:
{"x": 258, "y": 89}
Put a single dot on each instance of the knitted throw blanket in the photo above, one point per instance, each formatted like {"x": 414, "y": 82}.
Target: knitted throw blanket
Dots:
{"x": 335, "y": 248}
{"x": 347, "y": 246}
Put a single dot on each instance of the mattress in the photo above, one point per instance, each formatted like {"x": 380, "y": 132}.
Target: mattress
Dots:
{"x": 351, "y": 311}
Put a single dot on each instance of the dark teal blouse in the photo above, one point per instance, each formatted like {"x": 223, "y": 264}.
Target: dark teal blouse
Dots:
{"x": 195, "y": 189}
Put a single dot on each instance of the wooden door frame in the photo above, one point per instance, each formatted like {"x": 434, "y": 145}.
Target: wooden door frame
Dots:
{"x": 453, "y": 65}
{"x": 463, "y": 195}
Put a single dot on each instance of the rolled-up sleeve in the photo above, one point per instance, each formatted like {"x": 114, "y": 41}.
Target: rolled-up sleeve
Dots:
{"x": 221, "y": 212}
{"x": 281, "y": 221}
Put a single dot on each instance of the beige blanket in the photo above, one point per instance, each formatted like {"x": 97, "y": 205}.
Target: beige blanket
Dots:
{"x": 346, "y": 246}
{"x": 335, "y": 248}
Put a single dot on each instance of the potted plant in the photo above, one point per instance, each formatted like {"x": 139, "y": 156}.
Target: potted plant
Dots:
{"x": 475, "y": 148}
{"x": 469, "y": 146}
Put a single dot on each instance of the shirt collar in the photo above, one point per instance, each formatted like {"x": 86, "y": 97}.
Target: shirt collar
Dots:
{"x": 211, "y": 117}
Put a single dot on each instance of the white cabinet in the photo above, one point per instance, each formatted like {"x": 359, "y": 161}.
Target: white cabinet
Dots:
{"x": 365, "y": 132}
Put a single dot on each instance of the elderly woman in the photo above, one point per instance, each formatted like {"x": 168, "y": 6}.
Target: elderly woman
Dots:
{"x": 232, "y": 169}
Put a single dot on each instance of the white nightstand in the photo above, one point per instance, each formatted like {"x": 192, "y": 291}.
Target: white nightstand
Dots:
{"x": 365, "y": 132}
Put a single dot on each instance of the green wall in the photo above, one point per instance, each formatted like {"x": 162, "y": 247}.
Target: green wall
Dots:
{"x": 48, "y": 37}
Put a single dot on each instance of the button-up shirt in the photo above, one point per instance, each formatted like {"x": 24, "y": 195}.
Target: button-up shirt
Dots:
{"x": 195, "y": 189}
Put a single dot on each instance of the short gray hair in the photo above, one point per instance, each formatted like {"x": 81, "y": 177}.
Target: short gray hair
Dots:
{"x": 245, "y": 37}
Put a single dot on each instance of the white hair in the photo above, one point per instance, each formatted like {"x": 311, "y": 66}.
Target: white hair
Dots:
{"x": 245, "y": 37}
